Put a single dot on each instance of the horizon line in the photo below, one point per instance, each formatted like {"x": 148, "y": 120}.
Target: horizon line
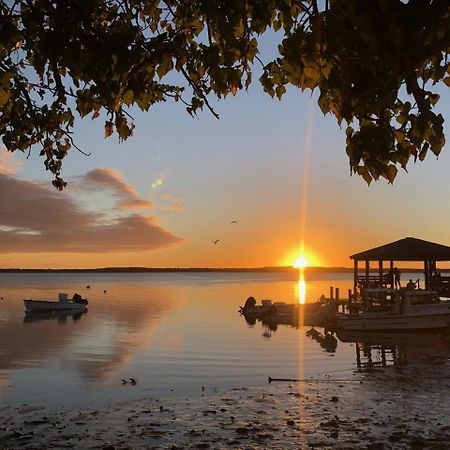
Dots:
{"x": 195, "y": 269}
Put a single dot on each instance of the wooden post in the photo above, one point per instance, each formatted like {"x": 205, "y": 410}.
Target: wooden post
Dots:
{"x": 367, "y": 273}
{"x": 355, "y": 276}
{"x": 337, "y": 293}
{"x": 391, "y": 273}
{"x": 426, "y": 269}
{"x": 380, "y": 274}
{"x": 331, "y": 292}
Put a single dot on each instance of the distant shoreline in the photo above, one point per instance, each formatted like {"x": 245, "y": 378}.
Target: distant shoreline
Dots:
{"x": 201, "y": 269}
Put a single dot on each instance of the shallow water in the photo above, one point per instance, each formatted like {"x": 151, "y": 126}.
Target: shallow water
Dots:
{"x": 177, "y": 334}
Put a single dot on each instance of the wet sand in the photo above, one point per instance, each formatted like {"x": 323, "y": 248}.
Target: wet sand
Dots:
{"x": 399, "y": 407}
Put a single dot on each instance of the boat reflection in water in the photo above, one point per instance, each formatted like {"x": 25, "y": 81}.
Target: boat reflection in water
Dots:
{"x": 382, "y": 349}
{"x": 60, "y": 316}
{"x": 326, "y": 339}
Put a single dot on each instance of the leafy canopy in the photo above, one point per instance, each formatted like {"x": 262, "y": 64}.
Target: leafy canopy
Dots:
{"x": 376, "y": 65}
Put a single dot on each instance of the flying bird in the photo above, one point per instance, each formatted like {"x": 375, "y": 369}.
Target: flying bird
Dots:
{"x": 133, "y": 381}
{"x": 233, "y": 221}
{"x": 216, "y": 241}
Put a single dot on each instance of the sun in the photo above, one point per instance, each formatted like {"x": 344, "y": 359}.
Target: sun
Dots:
{"x": 300, "y": 263}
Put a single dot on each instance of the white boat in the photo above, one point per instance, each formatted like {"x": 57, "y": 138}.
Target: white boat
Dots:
{"x": 397, "y": 310}
{"x": 77, "y": 304}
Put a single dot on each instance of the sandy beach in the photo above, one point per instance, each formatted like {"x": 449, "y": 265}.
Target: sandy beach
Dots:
{"x": 399, "y": 407}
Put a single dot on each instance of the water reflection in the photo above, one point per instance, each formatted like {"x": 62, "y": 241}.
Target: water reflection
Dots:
{"x": 301, "y": 287}
{"x": 376, "y": 350}
{"x": 59, "y": 316}
{"x": 326, "y": 339}
{"x": 94, "y": 347}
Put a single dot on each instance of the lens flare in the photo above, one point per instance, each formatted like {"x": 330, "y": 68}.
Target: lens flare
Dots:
{"x": 300, "y": 263}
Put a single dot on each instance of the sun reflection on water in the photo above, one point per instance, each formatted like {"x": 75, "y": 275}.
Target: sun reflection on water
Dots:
{"x": 301, "y": 287}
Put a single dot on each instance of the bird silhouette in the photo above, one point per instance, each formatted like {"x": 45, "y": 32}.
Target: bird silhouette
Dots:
{"x": 133, "y": 381}
{"x": 233, "y": 221}
{"x": 124, "y": 381}
{"x": 216, "y": 241}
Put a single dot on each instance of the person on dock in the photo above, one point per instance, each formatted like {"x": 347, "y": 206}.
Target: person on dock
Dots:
{"x": 410, "y": 286}
{"x": 397, "y": 275}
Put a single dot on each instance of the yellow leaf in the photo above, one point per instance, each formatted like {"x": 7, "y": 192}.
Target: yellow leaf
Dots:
{"x": 401, "y": 118}
{"x": 313, "y": 73}
{"x": 400, "y": 136}
{"x": 128, "y": 97}
{"x": 4, "y": 96}
{"x": 390, "y": 173}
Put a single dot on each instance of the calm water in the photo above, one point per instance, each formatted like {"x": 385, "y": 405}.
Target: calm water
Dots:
{"x": 174, "y": 332}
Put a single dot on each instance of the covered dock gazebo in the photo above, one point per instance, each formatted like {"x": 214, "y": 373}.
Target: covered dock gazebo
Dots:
{"x": 407, "y": 249}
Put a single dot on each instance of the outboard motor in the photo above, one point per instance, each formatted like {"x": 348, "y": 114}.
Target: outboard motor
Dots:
{"x": 250, "y": 303}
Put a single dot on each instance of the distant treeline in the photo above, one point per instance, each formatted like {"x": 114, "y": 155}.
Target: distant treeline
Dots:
{"x": 201, "y": 269}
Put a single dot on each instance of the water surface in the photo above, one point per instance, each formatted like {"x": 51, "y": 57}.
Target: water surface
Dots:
{"x": 178, "y": 334}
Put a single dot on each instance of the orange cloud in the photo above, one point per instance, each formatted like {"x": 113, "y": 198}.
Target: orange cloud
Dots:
{"x": 36, "y": 219}
{"x": 173, "y": 208}
{"x": 9, "y": 165}
{"x": 172, "y": 198}
{"x": 175, "y": 203}
{"x": 136, "y": 204}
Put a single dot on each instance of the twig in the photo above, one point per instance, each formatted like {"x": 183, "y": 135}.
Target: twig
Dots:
{"x": 293, "y": 380}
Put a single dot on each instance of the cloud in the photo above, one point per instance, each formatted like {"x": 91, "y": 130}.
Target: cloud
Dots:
{"x": 9, "y": 164}
{"x": 177, "y": 208}
{"x": 34, "y": 218}
{"x": 172, "y": 198}
{"x": 175, "y": 203}
{"x": 112, "y": 180}
{"x": 135, "y": 204}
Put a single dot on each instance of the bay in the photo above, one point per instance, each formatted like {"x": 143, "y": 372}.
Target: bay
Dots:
{"x": 177, "y": 334}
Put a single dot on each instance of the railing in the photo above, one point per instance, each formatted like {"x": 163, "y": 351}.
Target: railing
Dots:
{"x": 373, "y": 281}
{"x": 441, "y": 285}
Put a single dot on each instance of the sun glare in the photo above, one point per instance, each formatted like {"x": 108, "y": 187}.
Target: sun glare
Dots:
{"x": 300, "y": 263}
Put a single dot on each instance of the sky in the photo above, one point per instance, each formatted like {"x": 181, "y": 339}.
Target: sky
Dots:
{"x": 160, "y": 199}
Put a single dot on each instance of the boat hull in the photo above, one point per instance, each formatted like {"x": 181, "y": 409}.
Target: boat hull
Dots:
{"x": 41, "y": 305}
{"x": 365, "y": 322}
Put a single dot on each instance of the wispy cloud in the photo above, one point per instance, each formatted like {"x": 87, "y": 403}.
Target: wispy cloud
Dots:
{"x": 172, "y": 198}
{"x": 112, "y": 180}
{"x": 177, "y": 208}
{"x": 9, "y": 164}
{"x": 175, "y": 203}
{"x": 34, "y": 218}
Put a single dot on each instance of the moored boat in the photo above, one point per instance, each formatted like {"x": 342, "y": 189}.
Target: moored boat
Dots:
{"x": 77, "y": 304}
{"x": 61, "y": 316}
{"x": 398, "y": 310}
{"x": 267, "y": 308}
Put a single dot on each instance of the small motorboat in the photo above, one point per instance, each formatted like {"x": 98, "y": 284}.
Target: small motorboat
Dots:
{"x": 280, "y": 310}
{"x": 60, "y": 316}
{"x": 76, "y": 304}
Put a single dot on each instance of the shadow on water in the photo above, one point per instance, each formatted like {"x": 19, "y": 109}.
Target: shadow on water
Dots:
{"x": 376, "y": 350}
{"x": 61, "y": 317}
{"x": 326, "y": 339}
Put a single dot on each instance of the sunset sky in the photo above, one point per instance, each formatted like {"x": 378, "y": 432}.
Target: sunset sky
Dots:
{"x": 159, "y": 200}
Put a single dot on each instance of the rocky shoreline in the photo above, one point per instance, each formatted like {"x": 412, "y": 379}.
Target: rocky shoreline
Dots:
{"x": 400, "y": 407}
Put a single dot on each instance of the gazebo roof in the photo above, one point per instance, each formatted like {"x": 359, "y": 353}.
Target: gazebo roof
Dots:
{"x": 407, "y": 249}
